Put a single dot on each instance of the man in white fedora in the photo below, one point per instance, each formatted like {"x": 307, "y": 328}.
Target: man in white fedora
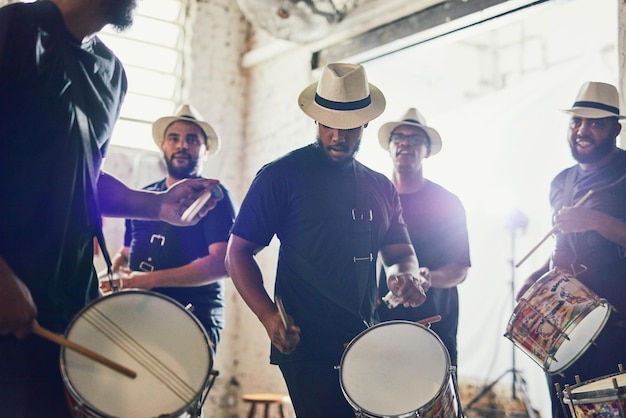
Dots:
{"x": 333, "y": 216}
{"x": 590, "y": 240}
{"x": 184, "y": 263}
{"x": 436, "y": 221}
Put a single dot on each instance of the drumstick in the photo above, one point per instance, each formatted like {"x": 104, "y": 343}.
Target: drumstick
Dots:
{"x": 194, "y": 208}
{"x": 429, "y": 320}
{"x": 552, "y": 231}
{"x": 281, "y": 311}
{"x": 56, "y": 338}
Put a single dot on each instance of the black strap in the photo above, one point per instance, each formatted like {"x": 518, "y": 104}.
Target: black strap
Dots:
{"x": 309, "y": 273}
{"x": 362, "y": 217}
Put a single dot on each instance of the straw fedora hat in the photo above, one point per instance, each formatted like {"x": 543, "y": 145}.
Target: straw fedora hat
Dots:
{"x": 412, "y": 118}
{"x": 343, "y": 98}
{"x": 187, "y": 113}
{"x": 596, "y": 100}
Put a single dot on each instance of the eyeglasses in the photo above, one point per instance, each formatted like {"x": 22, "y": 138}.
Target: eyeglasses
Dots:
{"x": 413, "y": 139}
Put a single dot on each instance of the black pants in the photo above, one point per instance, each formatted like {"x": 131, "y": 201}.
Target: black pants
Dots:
{"x": 599, "y": 360}
{"x": 315, "y": 390}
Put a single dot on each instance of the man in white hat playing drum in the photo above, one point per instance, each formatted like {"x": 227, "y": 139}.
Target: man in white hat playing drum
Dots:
{"x": 184, "y": 263}
{"x": 333, "y": 216}
{"x": 590, "y": 240}
{"x": 436, "y": 222}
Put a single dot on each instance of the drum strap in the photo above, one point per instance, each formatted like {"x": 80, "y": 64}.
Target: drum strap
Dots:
{"x": 362, "y": 217}
{"x": 568, "y": 200}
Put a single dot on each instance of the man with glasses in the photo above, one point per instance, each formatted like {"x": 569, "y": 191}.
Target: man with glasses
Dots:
{"x": 436, "y": 222}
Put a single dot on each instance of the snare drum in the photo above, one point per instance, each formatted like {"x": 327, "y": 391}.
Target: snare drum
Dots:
{"x": 399, "y": 369}
{"x": 556, "y": 320}
{"x": 149, "y": 333}
{"x": 598, "y": 398}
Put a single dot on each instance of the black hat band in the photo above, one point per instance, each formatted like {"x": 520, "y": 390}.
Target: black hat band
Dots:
{"x": 356, "y": 105}
{"x": 596, "y": 105}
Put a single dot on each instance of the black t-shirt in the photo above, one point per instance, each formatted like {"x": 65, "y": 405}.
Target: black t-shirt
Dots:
{"x": 604, "y": 262}
{"x": 158, "y": 245}
{"x": 46, "y": 229}
{"x": 437, "y": 226}
{"x": 307, "y": 202}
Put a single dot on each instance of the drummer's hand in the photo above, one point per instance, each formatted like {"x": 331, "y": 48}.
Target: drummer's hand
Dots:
{"x": 120, "y": 260}
{"x": 17, "y": 309}
{"x": 408, "y": 289}
{"x": 123, "y": 278}
{"x": 181, "y": 195}
{"x": 425, "y": 273}
{"x": 284, "y": 340}
{"x": 571, "y": 219}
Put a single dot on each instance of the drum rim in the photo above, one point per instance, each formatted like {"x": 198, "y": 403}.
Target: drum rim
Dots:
{"x": 101, "y": 414}
{"x": 607, "y": 313}
{"x": 603, "y": 395}
{"x": 407, "y": 414}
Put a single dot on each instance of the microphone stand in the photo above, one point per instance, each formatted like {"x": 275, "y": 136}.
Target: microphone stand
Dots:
{"x": 516, "y": 220}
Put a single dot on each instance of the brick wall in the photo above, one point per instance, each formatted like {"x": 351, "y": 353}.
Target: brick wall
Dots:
{"x": 256, "y": 115}
{"x": 257, "y": 118}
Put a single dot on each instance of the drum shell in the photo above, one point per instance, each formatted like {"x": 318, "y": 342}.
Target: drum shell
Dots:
{"x": 398, "y": 369}
{"x": 153, "y": 335}
{"x": 556, "y": 320}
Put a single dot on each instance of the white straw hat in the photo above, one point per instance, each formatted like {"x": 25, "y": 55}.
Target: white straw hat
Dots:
{"x": 343, "y": 98}
{"x": 596, "y": 100}
{"x": 412, "y": 118}
{"x": 187, "y": 113}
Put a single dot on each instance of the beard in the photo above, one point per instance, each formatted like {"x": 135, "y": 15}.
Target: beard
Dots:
{"x": 342, "y": 146}
{"x": 181, "y": 172}
{"x": 596, "y": 154}
{"x": 120, "y": 13}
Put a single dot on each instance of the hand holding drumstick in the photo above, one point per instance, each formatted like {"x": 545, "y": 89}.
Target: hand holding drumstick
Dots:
{"x": 287, "y": 338}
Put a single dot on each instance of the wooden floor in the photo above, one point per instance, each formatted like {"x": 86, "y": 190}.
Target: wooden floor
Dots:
{"x": 497, "y": 402}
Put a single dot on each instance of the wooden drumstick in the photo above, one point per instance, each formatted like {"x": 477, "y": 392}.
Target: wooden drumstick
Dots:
{"x": 191, "y": 212}
{"x": 429, "y": 320}
{"x": 281, "y": 311}
{"x": 552, "y": 231}
{"x": 59, "y": 339}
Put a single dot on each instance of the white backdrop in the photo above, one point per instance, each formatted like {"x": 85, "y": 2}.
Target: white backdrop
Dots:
{"x": 501, "y": 148}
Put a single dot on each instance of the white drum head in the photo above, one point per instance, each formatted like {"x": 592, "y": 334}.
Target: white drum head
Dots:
{"x": 580, "y": 336}
{"x": 393, "y": 368}
{"x": 148, "y": 333}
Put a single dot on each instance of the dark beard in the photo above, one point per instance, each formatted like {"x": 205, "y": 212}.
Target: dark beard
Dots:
{"x": 181, "y": 172}
{"x": 598, "y": 153}
{"x": 347, "y": 161}
{"x": 120, "y": 13}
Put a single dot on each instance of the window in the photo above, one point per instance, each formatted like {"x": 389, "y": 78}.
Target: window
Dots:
{"x": 153, "y": 54}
